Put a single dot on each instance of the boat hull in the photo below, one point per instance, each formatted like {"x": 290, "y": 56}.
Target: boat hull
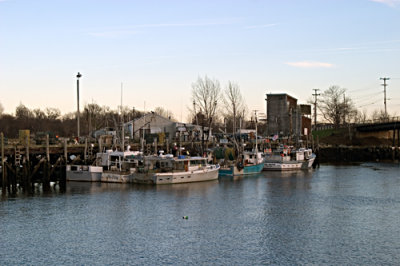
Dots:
{"x": 288, "y": 165}
{"x": 83, "y": 173}
{"x": 200, "y": 175}
{"x": 246, "y": 170}
{"x": 116, "y": 177}
{"x": 282, "y": 166}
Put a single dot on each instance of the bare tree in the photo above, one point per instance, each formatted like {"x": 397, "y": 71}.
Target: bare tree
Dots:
{"x": 205, "y": 95}
{"x": 379, "y": 116}
{"x": 39, "y": 114}
{"x": 164, "y": 112}
{"x": 335, "y": 107}
{"x": 361, "y": 116}
{"x": 23, "y": 112}
{"x": 52, "y": 113}
{"x": 234, "y": 103}
{"x": 1, "y": 109}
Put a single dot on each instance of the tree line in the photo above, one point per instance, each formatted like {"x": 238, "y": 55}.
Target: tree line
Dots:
{"x": 92, "y": 118}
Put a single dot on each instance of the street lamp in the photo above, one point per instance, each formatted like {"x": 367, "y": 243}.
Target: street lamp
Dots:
{"x": 78, "y": 114}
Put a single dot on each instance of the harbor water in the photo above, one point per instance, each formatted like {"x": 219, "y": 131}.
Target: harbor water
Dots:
{"x": 336, "y": 214}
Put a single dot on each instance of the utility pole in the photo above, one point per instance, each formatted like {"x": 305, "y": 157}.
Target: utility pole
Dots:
{"x": 384, "y": 93}
{"x": 315, "y": 94}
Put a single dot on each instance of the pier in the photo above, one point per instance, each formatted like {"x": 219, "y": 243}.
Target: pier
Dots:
{"x": 23, "y": 164}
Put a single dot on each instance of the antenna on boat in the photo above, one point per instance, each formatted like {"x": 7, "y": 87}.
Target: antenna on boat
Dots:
{"x": 122, "y": 122}
{"x": 255, "y": 121}
{"x": 144, "y": 125}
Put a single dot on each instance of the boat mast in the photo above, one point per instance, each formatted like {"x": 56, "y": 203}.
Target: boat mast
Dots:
{"x": 122, "y": 122}
{"x": 255, "y": 120}
{"x": 144, "y": 124}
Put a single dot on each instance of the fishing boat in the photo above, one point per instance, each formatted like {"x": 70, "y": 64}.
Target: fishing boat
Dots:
{"x": 84, "y": 173}
{"x": 284, "y": 159}
{"x": 166, "y": 169}
{"x": 119, "y": 166}
{"x": 249, "y": 163}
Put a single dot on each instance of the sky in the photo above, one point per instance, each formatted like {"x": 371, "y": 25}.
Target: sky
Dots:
{"x": 156, "y": 50}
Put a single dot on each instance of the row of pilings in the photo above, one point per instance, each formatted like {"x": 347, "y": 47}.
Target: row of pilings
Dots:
{"x": 22, "y": 169}
{"x": 25, "y": 175}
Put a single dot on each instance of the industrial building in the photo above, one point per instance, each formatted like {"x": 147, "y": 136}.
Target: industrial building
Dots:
{"x": 286, "y": 118}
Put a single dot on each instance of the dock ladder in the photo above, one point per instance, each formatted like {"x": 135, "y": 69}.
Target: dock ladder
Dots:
{"x": 17, "y": 156}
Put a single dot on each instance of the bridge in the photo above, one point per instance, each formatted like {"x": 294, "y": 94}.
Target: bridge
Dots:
{"x": 389, "y": 124}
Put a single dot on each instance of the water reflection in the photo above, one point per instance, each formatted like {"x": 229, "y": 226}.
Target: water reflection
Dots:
{"x": 187, "y": 189}
{"x": 94, "y": 187}
{"x": 346, "y": 214}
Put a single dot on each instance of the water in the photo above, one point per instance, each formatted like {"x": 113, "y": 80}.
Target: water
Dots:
{"x": 332, "y": 215}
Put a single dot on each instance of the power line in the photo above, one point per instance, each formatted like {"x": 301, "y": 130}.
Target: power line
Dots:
{"x": 366, "y": 96}
{"x": 363, "y": 89}
{"x": 368, "y": 104}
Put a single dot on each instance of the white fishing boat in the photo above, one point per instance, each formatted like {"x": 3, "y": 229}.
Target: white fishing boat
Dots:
{"x": 166, "y": 169}
{"x": 288, "y": 159}
{"x": 119, "y": 166}
{"x": 84, "y": 173}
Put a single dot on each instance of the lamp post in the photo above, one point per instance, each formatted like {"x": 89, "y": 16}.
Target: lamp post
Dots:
{"x": 78, "y": 113}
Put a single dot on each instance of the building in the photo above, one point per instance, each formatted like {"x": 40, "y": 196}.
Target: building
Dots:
{"x": 286, "y": 118}
{"x": 152, "y": 125}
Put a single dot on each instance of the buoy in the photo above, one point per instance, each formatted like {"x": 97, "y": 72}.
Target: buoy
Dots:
{"x": 185, "y": 217}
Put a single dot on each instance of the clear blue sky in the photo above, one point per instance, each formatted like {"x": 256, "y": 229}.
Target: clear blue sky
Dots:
{"x": 157, "y": 49}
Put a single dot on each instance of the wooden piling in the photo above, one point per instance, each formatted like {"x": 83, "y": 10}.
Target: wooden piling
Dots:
{"x": 3, "y": 184}
{"x": 46, "y": 172}
{"x": 26, "y": 176}
{"x": 65, "y": 150}
{"x": 46, "y": 176}
{"x": 27, "y": 148}
{"x": 63, "y": 175}
{"x": 47, "y": 148}
{"x": 16, "y": 178}
{"x": 86, "y": 150}
{"x": 398, "y": 137}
